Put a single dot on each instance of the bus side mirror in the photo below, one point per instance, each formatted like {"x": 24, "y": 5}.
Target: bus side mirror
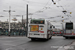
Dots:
{"x": 50, "y": 26}
{"x": 53, "y": 26}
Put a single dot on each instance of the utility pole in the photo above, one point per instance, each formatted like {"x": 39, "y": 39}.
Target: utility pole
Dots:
{"x": 62, "y": 25}
{"x": 27, "y": 19}
{"x": 22, "y": 20}
{"x": 9, "y": 11}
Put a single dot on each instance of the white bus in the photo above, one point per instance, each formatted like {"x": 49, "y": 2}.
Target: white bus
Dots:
{"x": 39, "y": 29}
{"x": 69, "y": 29}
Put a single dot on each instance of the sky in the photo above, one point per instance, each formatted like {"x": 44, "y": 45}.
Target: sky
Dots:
{"x": 38, "y": 9}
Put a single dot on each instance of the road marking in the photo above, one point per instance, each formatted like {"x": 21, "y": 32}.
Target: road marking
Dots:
{"x": 65, "y": 47}
{"x": 15, "y": 48}
{"x": 9, "y": 44}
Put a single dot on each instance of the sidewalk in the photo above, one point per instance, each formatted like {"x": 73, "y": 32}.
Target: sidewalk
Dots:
{"x": 12, "y": 36}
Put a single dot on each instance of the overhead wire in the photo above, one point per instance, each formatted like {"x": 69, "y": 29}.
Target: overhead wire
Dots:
{"x": 44, "y": 8}
{"x": 60, "y": 5}
{"x": 62, "y": 8}
{"x": 41, "y": 10}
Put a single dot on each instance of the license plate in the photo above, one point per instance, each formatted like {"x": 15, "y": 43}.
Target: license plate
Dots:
{"x": 36, "y": 34}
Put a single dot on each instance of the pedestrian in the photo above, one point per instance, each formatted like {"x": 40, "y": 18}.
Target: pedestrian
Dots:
{"x": 6, "y": 32}
{"x": 14, "y": 33}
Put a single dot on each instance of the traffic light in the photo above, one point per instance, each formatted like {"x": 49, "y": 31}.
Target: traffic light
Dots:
{"x": 62, "y": 17}
{"x": 70, "y": 12}
{"x": 54, "y": 3}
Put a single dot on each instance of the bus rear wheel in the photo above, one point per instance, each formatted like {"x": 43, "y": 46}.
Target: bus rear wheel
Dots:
{"x": 50, "y": 37}
{"x": 66, "y": 37}
{"x": 32, "y": 39}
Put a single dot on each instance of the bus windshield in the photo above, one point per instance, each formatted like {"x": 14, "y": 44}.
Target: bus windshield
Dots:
{"x": 37, "y": 21}
{"x": 69, "y": 25}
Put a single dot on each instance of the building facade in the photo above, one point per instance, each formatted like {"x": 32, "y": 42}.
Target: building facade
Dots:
{"x": 13, "y": 25}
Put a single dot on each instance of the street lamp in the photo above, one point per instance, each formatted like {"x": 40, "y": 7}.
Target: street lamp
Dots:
{"x": 1, "y": 16}
{"x": 9, "y": 11}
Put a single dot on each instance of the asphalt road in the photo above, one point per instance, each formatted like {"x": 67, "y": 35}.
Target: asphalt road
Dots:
{"x": 23, "y": 43}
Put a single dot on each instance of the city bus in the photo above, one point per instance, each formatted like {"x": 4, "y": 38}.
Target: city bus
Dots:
{"x": 39, "y": 29}
{"x": 69, "y": 30}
